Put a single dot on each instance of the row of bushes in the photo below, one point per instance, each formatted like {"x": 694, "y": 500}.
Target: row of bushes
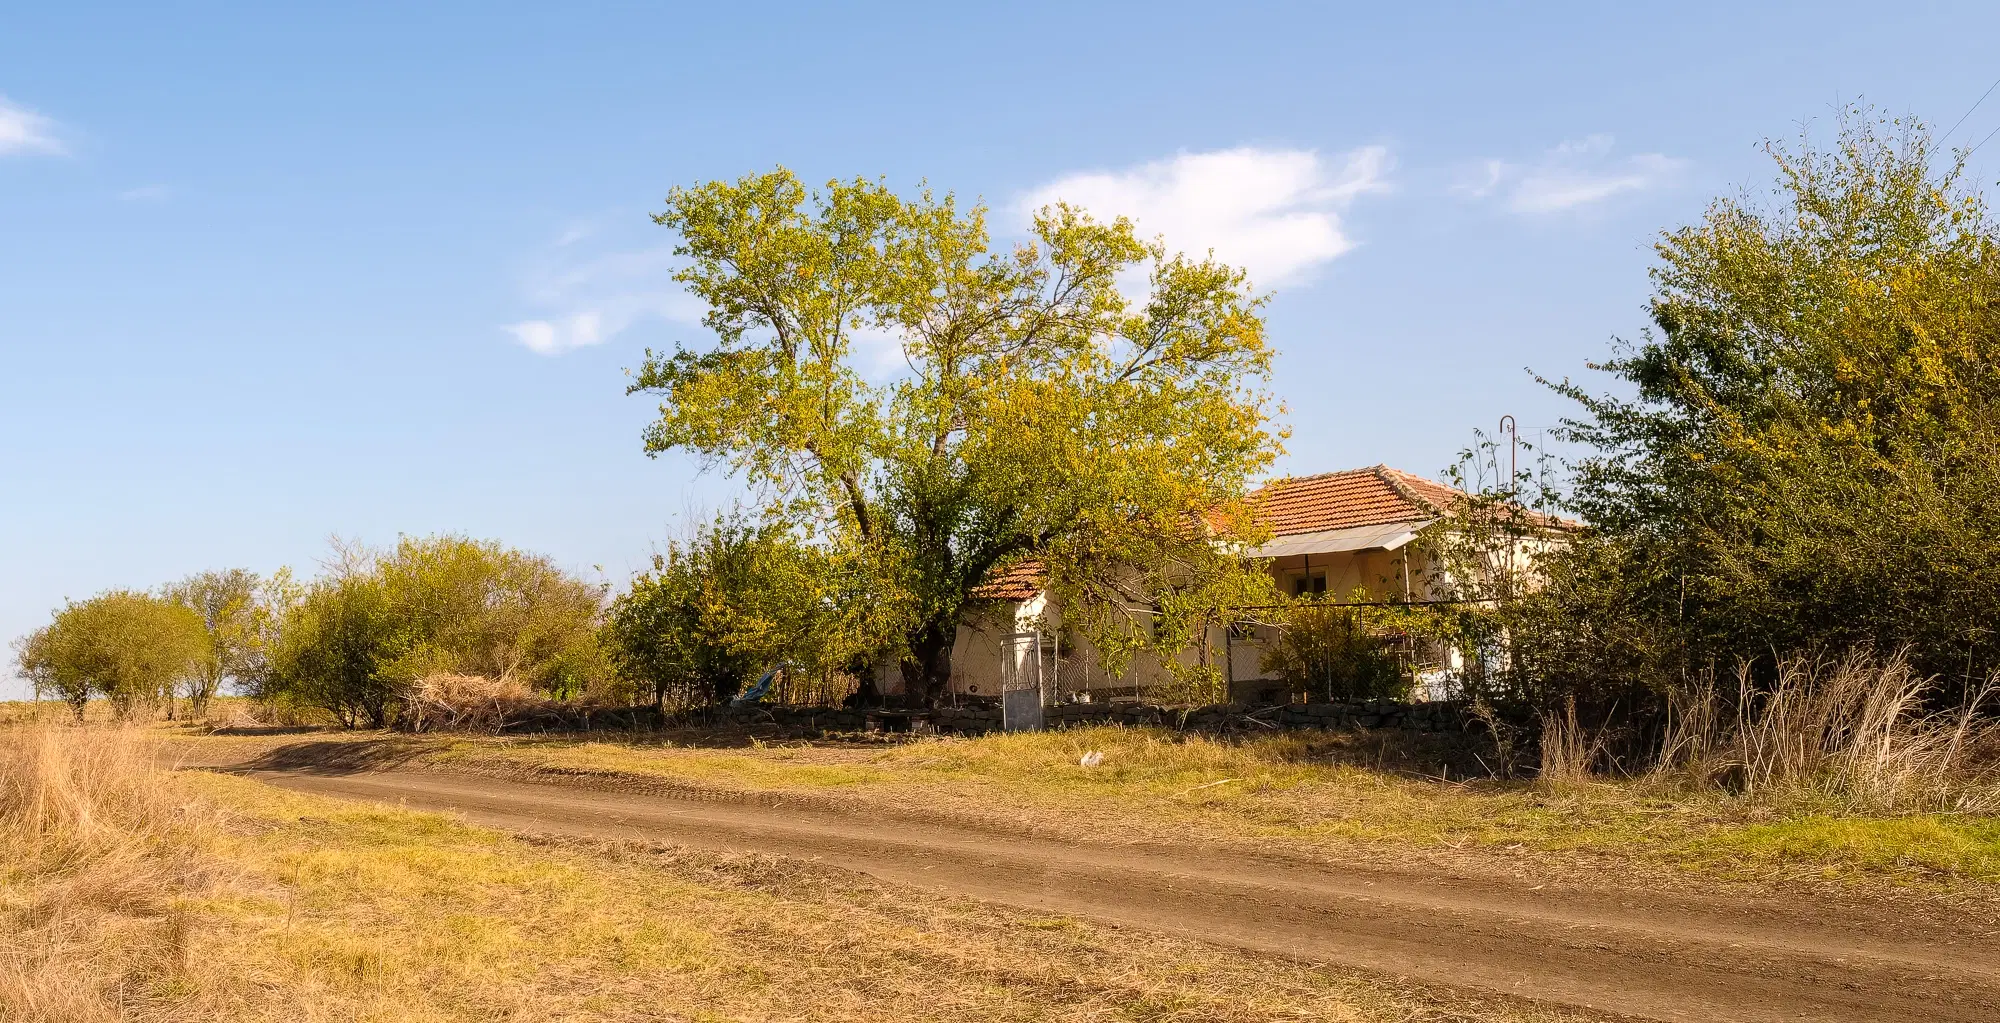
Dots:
{"x": 378, "y": 634}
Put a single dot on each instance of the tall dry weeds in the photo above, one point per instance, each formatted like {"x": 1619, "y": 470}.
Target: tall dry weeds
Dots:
{"x": 97, "y": 853}
{"x": 1570, "y": 753}
{"x": 1855, "y": 733}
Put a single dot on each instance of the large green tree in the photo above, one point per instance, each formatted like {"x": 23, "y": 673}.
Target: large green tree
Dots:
{"x": 232, "y": 617}
{"x": 1034, "y": 409}
{"x": 1805, "y": 449}
{"x": 132, "y": 649}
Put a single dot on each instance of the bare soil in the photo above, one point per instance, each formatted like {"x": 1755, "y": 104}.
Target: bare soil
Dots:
{"x": 1602, "y": 944}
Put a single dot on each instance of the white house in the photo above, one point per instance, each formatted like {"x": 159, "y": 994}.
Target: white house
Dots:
{"x": 1349, "y": 534}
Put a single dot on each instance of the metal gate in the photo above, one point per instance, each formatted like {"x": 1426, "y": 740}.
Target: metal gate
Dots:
{"x": 1027, "y": 679}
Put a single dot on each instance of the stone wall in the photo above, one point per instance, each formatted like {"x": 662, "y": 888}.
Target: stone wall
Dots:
{"x": 981, "y": 718}
{"x": 1442, "y": 717}
{"x": 1236, "y": 717}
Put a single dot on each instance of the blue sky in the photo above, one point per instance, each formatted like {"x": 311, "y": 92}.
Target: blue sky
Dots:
{"x": 270, "y": 274}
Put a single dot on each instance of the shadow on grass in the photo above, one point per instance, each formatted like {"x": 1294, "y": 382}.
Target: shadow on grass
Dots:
{"x": 338, "y": 757}
{"x": 262, "y": 729}
{"x": 395, "y": 750}
{"x": 1454, "y": 756}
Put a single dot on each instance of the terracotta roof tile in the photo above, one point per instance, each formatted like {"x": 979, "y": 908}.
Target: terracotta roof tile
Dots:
{"x": 1019, "y": 581}
{"x": 1356, "y": 497}
{"x": 1373, "y": 496}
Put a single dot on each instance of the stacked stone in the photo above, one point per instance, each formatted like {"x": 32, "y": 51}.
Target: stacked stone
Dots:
{"x": 979, "y": 719}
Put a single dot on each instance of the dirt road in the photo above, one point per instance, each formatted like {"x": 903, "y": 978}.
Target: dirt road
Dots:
{"x": 1638, "y": 954}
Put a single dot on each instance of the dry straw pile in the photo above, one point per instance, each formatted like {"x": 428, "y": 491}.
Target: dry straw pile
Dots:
{"x": 466, "y": 703}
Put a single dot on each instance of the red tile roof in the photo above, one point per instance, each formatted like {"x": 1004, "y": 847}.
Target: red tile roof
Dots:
{"x": 1355, "y": 497}
{"x": 1019, "y": 581}
{"x": 1374, "y": 496}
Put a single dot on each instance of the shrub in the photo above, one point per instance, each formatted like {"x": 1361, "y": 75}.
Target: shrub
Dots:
{"x": 1329, "y": 653}
{"x": 735, "y": 600}
{"x": 336, "y": 650}
{"x": 356, "y": 643}
{"x": 131, "y": 648}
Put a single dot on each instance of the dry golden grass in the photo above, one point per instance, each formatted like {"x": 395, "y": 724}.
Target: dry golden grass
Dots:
{"x": 443, "y": 701}
{"x": 124, "y": 899}
{"x": 1853, "y": 733}
{"x": 222, "y": 711}
{"x": 100, "y": 854}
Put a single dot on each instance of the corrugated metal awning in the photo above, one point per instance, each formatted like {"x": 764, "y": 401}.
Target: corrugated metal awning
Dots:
{"x": 1385, "y": 536}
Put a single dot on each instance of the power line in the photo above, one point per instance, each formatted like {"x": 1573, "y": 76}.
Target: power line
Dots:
{"x": 1982, "y": 142}
{"x": 1969, "y": 110}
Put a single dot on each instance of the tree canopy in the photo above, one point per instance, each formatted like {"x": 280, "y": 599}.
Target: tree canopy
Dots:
{"x": 1033, "y": 409}
{"x": 131, "y": 648}
{"x": 1806, "y": 448}
{"x": 233, "y": 620}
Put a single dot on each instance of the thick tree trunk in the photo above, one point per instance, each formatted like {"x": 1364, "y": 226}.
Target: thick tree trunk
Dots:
{"x": 930, "y": 656}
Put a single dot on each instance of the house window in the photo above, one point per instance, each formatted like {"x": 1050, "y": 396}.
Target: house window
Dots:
{"x": 1304, "y": 585}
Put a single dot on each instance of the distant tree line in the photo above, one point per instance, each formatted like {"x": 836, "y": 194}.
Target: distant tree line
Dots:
{"x": 716, "y": 610}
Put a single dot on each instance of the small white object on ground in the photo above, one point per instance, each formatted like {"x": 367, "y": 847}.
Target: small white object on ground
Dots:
{"x": 1091, "y": 759}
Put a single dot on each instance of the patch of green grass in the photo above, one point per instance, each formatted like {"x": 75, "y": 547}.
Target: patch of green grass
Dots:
{"x": 1930, "y": 845}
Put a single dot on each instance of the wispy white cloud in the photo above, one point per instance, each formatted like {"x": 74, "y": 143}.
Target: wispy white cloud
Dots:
{"x": 1576, "y": 173}
{"x": 1484, "y": 183}
{"x": 575, "y": 233}
{"x": 590, "y": 299}
{"x": 144, "y": 193}
{"x": 1275, "y": 212}
{"x": 553, "y": 337}
{"x": 24, "y": 131}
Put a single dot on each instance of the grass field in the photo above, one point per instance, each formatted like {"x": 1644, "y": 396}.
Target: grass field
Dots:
{"x": 1315, "y": 794}
{"x": 129, "y": 893}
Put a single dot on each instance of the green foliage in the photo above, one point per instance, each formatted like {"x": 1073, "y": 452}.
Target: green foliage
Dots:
{"x": 131, "y": 648}
{"x": 1502, "y": 543}
{"x": 1808, "y": 452}
{"x": 353, "y": 642}
{"x": 475, "y": 607}
{"x": 335, "y": 651}
{"x": 735, "y": 600}
{"x": 1330, "y": 653}
{"x": 233, "y": 620}
{"x": 1042, "y": 414}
